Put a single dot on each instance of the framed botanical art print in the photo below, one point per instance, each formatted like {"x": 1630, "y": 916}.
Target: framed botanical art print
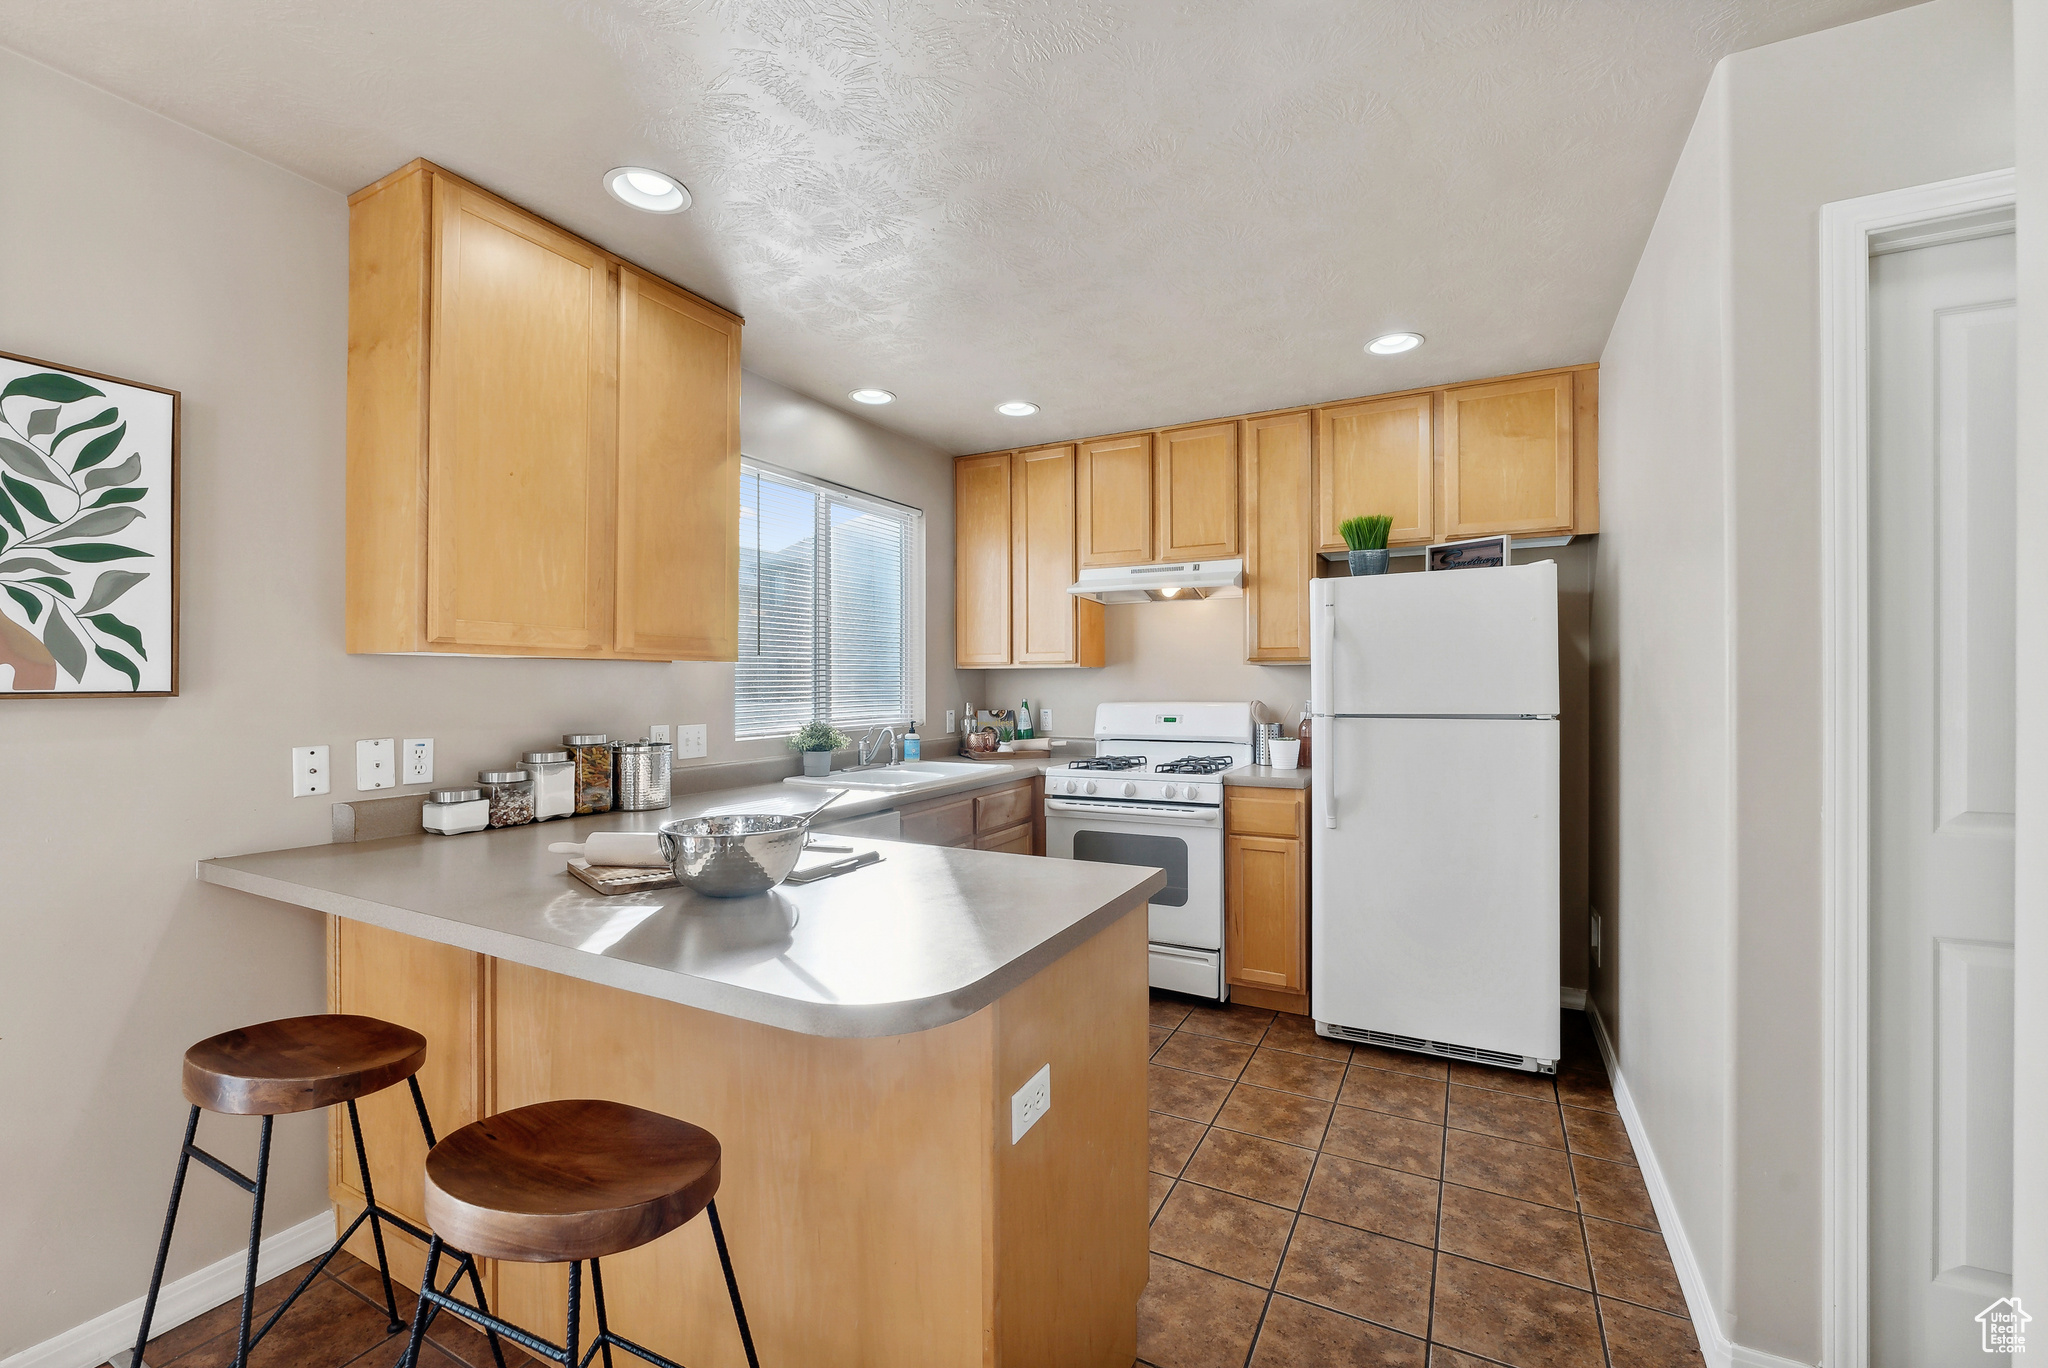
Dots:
{"x": 88, "y": 534}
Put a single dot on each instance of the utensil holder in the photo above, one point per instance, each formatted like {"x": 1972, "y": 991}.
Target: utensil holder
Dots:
{"x": 1263, "y": 734}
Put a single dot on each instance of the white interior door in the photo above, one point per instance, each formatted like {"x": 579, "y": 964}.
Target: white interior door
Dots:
{"x": 1941, "y": 781}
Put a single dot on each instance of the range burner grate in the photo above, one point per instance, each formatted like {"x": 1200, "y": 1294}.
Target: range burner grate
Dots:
{"x": 1108, "y": 762}
{"x": 1196, "y": 764}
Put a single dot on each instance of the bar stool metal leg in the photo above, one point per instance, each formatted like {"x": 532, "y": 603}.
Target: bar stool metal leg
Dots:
{"x": 604, "y": 1327}
{"x": 163, "y": 1246}
{"x": 256, "y": 1195}
{"x": 355, "y": 1125}
{"x": 732, "y": 1285}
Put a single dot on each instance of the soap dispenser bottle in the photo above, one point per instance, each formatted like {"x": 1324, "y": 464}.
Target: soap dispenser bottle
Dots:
{"x": 913, "y": 749}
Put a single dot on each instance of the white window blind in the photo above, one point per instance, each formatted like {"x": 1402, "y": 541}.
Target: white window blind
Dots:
{"x": 827, "y": 606}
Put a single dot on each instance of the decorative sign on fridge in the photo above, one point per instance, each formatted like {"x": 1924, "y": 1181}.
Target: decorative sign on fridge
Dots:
{"x": 88, "y": 534}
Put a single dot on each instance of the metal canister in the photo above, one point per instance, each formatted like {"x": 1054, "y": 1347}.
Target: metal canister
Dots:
{"x": 642, "y": 768}
{"x": 1262, "y": 739}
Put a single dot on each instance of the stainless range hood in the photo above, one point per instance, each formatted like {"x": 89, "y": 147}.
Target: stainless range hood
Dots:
{"x": 1161, "y": 583}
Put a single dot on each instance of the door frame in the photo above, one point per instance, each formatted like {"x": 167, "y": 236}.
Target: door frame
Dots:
{"x": 1851, "y": 232}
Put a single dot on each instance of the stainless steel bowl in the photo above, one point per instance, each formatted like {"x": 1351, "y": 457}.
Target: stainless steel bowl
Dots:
{"x": 733, "y": 856}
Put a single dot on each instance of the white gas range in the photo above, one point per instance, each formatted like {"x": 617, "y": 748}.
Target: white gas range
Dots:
{"x": 1153, "y": 795}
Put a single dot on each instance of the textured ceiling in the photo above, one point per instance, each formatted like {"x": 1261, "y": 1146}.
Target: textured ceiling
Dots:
{"x": 1128, "y": 211}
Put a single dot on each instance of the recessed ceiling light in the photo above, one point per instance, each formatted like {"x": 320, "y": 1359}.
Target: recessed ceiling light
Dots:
{"x": 644, "y": 189}
{"x": 1017, "y": 408}
{"x": 1391, "y": 344}
{"x": 871, "y": 396}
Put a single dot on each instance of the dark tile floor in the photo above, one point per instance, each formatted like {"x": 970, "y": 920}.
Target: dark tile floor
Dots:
{"x": 339, "y": 1321}
{"x": 1313, "y": 1204}
{"x": 1319, "y": 1204}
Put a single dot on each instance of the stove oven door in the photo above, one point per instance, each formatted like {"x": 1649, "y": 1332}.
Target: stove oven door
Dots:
{"x": 1185, "y": 841}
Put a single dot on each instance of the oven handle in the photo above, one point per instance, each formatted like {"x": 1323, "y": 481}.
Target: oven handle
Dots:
{"x": 1173, "y": 816}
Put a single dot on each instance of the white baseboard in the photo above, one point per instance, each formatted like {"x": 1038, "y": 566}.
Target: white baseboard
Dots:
{"x": 104, "y": 1336}
{"x": 1572, "y": 999}
{"x": 1715, "y": 1347}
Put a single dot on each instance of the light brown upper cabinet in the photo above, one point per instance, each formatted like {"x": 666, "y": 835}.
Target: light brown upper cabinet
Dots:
{"x": 1013, "y": 558}
{"x": 1196, "y": 474}
{"x": 1508, "y": 457}
{"x": 981, "y": 560}
{"x": 1114, "y": 500}
{"x": 679, "y": 474}
{"x": 1376, "y": 456}
{"x": 1049, "y": 626}
{"x": 543, "y": 443}
{"x": 1279, "y": 561}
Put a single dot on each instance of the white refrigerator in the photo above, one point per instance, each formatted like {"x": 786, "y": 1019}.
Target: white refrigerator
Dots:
{"x": 1435, "y": 841}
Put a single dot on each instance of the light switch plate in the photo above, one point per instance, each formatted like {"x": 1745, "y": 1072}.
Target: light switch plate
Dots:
{"x": 1030, "y": 1102}
{"x": 419, "y": 760}
{"x": 309, "y": 771}
{"x": 1594, "y": 938}
{"x": 376, "y": 764}
{"x": 1045, "y": 720}
{"x": 657, "y": 731}
{"x": 950, "y": 715}
{"x": 692, "y": 743}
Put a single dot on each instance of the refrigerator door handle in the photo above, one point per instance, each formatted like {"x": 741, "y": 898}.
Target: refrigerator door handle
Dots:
{"x": 1328, "y": 778}
{"x": 1319, "y": 661}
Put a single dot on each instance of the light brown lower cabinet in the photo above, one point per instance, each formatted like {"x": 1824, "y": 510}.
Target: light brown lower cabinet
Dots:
{"x": 1014, "y": 840}
{"x": 986, "y": 819}
{"x": 877, "y": 1213}
{"x": 1265, "y": 895}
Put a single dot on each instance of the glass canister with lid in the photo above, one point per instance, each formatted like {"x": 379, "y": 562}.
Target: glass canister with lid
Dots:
{"x": 554, "y": 783}
{"x": 450, "y": 812}
{"x": 511, "y": 795}
{"x": 591, "y": 754}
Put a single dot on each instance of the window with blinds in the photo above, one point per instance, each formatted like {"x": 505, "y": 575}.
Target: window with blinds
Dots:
{"x": 827, "y": 601}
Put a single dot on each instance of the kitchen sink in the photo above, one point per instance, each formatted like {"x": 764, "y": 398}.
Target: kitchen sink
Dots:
{"x": 894, "y": 778}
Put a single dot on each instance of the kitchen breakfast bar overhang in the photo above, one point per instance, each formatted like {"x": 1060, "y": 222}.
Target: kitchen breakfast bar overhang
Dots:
{"x": 854, "y": 1043}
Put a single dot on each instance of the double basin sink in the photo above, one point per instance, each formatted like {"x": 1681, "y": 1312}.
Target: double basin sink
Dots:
{"x": 904, "y": 778}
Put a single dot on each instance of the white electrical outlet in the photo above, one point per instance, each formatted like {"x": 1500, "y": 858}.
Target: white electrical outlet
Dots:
{"x": 1045, "y": 721}
{"x": 419, "y": 760}
{"x": 658, "y": 732}
{"x": 376, "y": 764}
{"x": 950, "y": 715}
{"x": 1030, "y": 1102}
{"x": 309, "y": 771}
{"x": 1595, "y": 921}
{"x": 692, "y": 742}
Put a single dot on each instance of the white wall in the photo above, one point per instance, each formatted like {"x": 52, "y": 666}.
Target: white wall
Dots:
{"x": 2030, "y": 1057}
{"x": 1662, "y": 852}
{"x": 1919, "y": 95}
{"x": 136, "y": 247}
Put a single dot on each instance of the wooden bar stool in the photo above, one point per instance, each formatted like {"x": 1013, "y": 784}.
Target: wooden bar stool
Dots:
{"x": 295, "y": 1065}
{"x": 562, "y": 1182}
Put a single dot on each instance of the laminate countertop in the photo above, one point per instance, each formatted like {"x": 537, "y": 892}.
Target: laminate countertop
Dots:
{"x": 926, "y": 937}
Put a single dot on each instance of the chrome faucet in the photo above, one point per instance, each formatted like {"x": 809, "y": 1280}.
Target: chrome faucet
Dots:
{"x": 871, "y": 745}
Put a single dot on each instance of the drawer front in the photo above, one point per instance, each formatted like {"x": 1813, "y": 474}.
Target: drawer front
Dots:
{"x": 1003, "y": 808}
{"x": 949, "y": 822}
{"x": 1015, "y": 841}
{"x": 1263, "y": 812}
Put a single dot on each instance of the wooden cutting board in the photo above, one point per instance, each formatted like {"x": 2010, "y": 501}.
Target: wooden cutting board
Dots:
{"x": 612, "y": 880}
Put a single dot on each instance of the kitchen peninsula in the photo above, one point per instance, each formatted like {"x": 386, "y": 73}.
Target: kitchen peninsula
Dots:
{"x": 854, "y": 1043}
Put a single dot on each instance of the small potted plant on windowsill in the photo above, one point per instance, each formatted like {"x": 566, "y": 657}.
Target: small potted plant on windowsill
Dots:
{"x": 1367, "y": 538}
{"x": 817, "y": 741}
